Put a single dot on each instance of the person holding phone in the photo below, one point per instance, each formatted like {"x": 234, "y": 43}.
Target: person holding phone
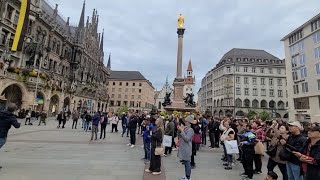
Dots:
{"x": 295, "y": 142}
{"x": 310, "y": 157}
{"x": 185, "y": 149}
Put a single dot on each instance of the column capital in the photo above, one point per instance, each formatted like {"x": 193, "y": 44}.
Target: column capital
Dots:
{"x": 180, "y": 31}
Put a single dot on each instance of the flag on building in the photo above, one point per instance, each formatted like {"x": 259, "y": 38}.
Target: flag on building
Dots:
{"x": 22, "y": 25}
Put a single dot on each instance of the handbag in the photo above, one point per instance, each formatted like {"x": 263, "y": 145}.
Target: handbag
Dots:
{"x": 259, "y": 148}
{"x": 196, "y": 138}
{"x": 232, "y": 147}
{"x": 159, "y": 150}
{"x": 167, "y": 141}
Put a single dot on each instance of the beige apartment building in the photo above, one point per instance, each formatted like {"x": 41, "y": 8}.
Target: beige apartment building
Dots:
{"x": 131, "y": 89}
{"x": 245, "y": 80}
{"x": 302, "y": 51}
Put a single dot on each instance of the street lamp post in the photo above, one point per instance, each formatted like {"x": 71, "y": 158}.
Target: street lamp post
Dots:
{"x": 39, "y": 50}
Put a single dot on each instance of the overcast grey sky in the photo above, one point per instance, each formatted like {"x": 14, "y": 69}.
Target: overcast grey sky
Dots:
{"x": 141, "y": 34}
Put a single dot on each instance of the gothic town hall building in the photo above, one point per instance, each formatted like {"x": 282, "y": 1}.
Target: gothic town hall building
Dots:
{"x": 61, "y": 66}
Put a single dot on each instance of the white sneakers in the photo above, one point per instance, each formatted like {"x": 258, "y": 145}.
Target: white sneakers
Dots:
{"x": 132, "y": 146}
{"x": 129, "y": 144}
{"x": 153, "y": 173}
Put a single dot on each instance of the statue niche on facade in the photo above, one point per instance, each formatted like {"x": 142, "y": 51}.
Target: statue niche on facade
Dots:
{"x": 189, "y": 100}
{"x": 167, "y": 100}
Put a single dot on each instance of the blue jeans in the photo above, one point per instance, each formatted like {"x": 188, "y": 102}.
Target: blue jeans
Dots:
{"x": 187, "y": 168}
{"x": 86, "y": 126}
{"x": 2, "y": 141}
{"x": 147, "y": 151}
{"x": 293, "y": 171}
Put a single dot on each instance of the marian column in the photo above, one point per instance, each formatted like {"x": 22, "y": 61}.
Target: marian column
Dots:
{"x": 179, "y": 81}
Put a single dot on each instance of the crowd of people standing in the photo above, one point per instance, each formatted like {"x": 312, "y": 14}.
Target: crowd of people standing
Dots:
{"x": 292, "y": 146}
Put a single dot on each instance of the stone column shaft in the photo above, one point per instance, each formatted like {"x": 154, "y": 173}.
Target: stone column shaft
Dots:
{"x": 180, "y": 33}
{"x": 179, "y": 56}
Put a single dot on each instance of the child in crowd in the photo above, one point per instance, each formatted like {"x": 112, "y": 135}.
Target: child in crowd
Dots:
{"x": 147, "y": 141}
{"x": 271, "y": 176}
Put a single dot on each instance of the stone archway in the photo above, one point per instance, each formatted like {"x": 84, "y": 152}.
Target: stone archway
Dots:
{"x": 247, "y": 103}
{"x": 54, "y": 105}
{"x": 240, "y": 113}
{"x": 263, "y": 104}
{"x": 255, "y": 104}
{"x": 280, "y": 105}
{"x": 272, "y": 104}
{"x": 238, "y": 102}
{"x": 13, "y": 93}
{"x": 286, "y": 116}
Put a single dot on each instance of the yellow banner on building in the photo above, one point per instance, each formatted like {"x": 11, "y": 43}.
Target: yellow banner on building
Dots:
{"x": 22, "y": 26}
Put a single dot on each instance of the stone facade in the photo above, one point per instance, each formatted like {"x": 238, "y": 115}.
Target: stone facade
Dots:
{"x": 245, "y": 80}
{"x": 69, "y": 60}
{"x": 130, "y": 89}
{"x": 302, "y": 54}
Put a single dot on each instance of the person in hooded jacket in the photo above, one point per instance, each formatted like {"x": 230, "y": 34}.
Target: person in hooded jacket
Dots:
{"x": 7, "y": 119}
{"x": 310, "y": 157}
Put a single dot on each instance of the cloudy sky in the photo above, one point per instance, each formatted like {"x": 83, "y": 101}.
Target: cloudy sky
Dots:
{"x": 141, "y": 34}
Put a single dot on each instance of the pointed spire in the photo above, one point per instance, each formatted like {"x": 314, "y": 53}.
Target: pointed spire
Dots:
{"x": 81, "y": 22}
{"x": 109, "y": 62}
{"x": 87, "y": 25}
{"x": 189, "y": 66}
{"x": 167, "y": 82}
{"x": 93, "y": 16}
{"x": 101, "y": 43}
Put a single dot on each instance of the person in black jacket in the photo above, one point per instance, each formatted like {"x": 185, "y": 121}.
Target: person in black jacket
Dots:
{"x": 212, "y": 129}
{"x": 295, "y": 142}
{"x": 195, "y": 147}
{"x": 62, "y": 119}
{"x": 133, "y": 128}
{"x": 103, "y": 122}
{"x": 310, "y": 157}
{"x": 7, "y": 119}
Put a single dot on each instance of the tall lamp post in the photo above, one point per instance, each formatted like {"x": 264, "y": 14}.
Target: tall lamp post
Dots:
{"x": 39, "y": 52}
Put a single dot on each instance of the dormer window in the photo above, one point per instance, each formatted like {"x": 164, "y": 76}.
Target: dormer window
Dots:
{"x": 238, "y": 59}
{"x": 252, "y": 59}
{"x": 246, "y": 59}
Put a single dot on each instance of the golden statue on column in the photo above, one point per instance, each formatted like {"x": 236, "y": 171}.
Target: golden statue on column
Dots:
{"x": 180, "y": 21}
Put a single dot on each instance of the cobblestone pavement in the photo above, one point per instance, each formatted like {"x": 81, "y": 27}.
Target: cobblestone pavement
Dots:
{"x": 45, "y": 152}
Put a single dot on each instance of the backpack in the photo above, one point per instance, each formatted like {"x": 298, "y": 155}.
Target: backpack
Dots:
{"x": 196, "y": 138}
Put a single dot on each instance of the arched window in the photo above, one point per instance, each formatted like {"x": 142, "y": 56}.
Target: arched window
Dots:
{"x": 58, "y": 48}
